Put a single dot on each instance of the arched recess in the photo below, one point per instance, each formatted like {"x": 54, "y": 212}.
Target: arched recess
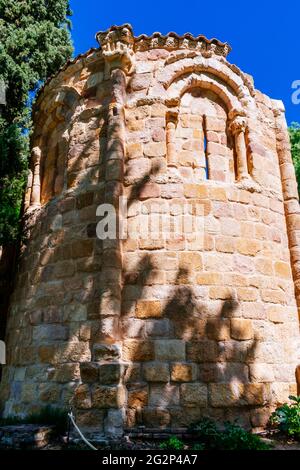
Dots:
{"x": 50, "y": 145}
{"x": 234, "y": 123}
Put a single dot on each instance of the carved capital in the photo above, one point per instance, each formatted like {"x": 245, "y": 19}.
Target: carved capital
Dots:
{"x": 117, "y": 46}
{"x": 237, "y": 125}
{"x": 36, "y": 155}
{"x": 172, "y": 116}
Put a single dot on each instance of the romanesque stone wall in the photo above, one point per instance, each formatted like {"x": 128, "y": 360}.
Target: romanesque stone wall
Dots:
{"x": 156, "y": 329}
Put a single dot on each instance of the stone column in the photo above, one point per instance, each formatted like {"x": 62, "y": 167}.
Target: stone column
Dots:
{"x": 35, "y": 199}
{"x": 28, "y": 191}
{"x": 290, "y": 193}
{"x": 117, "y": 49}
{"x": 171, "y": 123}
{"x": 238, "y": 128}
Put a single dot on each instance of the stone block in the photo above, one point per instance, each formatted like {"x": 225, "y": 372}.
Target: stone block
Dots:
{"x": 261, "y": 373}
{"x": 110, "y": 373}
{"x": 90, "y": 419}
{"x": 241, "y": 329}
{"x": 138, "y": 350}
{"x": 108, "y": 397}
{"x": 218, "y": 329}
{"x": 227, "y": 395}
{"x": 170, "y": 350}
{"x": 82, "y": 248}
{"x": 65, "y": 352}
{"x": 155, "y": 149}
{"x": 49, "y": 393}
{"x": 64, "y": 373}
{"x": 50, "y": 333}
{"x": 164, "y": 396}
{"x": 75, "y": 312}
{"x": 201, "y": 351}
{"x": 247, "y": 246}
{"x": 190, "y": 261}
{"x": 193, "y": 394}
{"x": 89, "y": 372}
{"x": 209, "y": 278}
{"x": 282, "y": 270}
{"x": 106, "y": 352}
{"x": 183, "y": 372}
{"x": 82, "y": 397}
{"x": 148, "y": 309}
{"x": 221, "y": 292}
{"x": 113, "y": 423}
{"x": 156, "y": 372}
{"x": 157, "y": 328}
{"x": 137, "y": 397}
{"x": 192, "y": 190}
{"x": 155, "y": 417}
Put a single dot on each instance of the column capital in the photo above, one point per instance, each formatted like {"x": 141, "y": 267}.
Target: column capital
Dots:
{"x": 117, "y": 44}
{"x": 237, "y": 125}
{"x": 172, "y": 116}
{"x": 36, "y": 155}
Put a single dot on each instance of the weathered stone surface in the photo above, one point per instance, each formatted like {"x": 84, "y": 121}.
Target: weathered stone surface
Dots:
{"x": 108, "y": 397}
{"x": 170, "y": 350}
{"x": 137, "y": 397}
{"x": 89, "y": 372}
{"x": 241, "y": 329}
{"x": 193, "y": 394}
{"x": 181, "y": 372}
{"x": 110, "y": 373}
{"x": 164, "y": 396}
{"x": 65, "y": 352}
{"x": 106, "y": 352}
{"x": 156, "y": 372}
{"x": 138, "y": 350}
{"x": 82, "y": 397}
{"x": 64, "y": 373}
{"x": 194, "y": 311}
{"x": 148, "y": 309}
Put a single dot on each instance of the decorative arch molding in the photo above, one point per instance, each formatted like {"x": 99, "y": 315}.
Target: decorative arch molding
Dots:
{"x": 205, "y": 81}
{"x": 221, "y": 71}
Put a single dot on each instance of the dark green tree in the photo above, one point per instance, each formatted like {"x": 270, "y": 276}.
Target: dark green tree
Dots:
{"x": 34, "y": 43}
{"x": 294, "y": 131}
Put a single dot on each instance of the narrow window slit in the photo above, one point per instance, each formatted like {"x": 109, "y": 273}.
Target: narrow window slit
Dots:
{"x": 205, "y": 148}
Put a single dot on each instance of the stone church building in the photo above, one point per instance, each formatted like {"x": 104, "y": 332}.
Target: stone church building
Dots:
{"x": 145, "y": 330}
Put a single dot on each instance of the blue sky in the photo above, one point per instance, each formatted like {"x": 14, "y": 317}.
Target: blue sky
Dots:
{"x": 265, "y": 36}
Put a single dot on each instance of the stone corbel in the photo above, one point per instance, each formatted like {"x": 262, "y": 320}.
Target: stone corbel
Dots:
{"x": 35, "y": 199}
{"x": 171, "y": 124}
{"x": 237, "y": 127}
{"x": 117, "y": 46}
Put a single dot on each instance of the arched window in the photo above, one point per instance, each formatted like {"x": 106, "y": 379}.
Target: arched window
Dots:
{"x": 199, "y": 138}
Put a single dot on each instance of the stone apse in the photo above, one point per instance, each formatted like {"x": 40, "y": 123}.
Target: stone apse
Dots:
{"x": 156, "y": 331}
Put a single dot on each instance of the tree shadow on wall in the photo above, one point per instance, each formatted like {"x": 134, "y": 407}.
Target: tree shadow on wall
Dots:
{"x": 215, "y": 364}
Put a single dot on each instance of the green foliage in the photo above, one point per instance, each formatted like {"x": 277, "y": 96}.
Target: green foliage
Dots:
{"x": 232, "y": 437}
{"x": 172, "y": 443}
{"x": 198, "y": 446}
{"x": 236, "y": 438}
{"x": 47, "y": 415}
{"x": 287, "y": 418}
{"x": 34, "y": 43}
{"x": 294, "y": 132}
